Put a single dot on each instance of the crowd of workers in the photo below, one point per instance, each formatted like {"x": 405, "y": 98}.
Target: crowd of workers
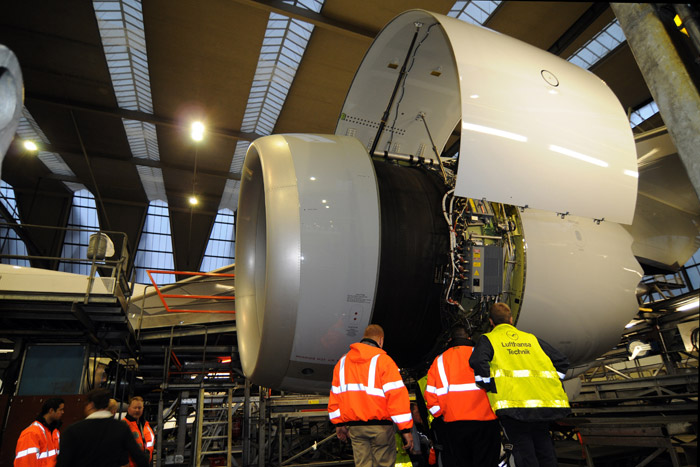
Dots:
{"x": 98, "y": 440}
{"x": 509, "y": 383}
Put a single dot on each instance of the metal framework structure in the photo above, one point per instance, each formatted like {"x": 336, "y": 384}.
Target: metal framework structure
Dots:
{"x": 209, "y": 298}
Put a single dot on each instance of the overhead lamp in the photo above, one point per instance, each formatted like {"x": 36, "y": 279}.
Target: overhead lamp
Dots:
{"x": 193, "y": 200}
{"x": 30, "y": 145}
{"x": 689, "y": 306}
{"x": 197, "y": 131}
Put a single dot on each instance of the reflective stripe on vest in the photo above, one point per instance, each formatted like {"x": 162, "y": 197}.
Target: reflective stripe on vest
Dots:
{"x": 528, "y": 374}
{"x": 28, "y": 451}
{"x": 530, "y": 404}
{"x": 46, "y": 454}
{"x": 370, "y": 389}
{"x": 403, "y": 418}
{"x": 446, "y": 386}
{"x": 149, "y": 444}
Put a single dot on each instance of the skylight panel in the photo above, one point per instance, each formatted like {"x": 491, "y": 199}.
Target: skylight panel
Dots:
{"x": 599, "y": 46}
{"x": 643, "y": 113}
{"x": 155, "y": 250}
{"x": 283, "y": 47}
{"x": 29, "y": 129}
{"x": 220, "y": 250}
{"x": 313, "y": 5}
{"x": 124, "y": 44}
{"x": 152, "y": 181}
{"x": 83, "y": 215}
{"x": 239, "y": 156}
{"x": 229, "y": 198}
{"x": 607, "y": 40}
{"x": 473, "y": 12}
{"x": 10, "y": 243}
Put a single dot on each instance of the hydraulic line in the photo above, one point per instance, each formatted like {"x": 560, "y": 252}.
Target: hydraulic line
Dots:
{"x": 432, "y": 143}
{"x": 402, "y": 76}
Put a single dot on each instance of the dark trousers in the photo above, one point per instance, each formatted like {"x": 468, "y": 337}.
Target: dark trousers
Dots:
{"x": 532, "y": 444}
{"x": 441, "y": 443}
{"x": 473, "y": 443}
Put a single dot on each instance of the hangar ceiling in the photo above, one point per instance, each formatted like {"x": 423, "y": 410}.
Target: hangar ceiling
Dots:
{"x": 198, "y": 61}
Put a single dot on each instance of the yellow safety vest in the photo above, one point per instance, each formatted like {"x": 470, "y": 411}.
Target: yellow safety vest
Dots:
{"x": 524, "y": 375}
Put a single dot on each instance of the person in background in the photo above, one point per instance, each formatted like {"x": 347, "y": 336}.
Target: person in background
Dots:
{"x": 422, "y": 446}
{"x": 113, "y": 406}
{"x": 100, "y": 439}
{"x": 38, "y": 444}
{"x": 473, "y": 437}
{"x": 522, "y": 375}
{"x": 140, "y": 429}
{"x": 367, "y": 398}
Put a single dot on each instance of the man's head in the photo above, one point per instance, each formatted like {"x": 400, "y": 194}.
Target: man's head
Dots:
{"x": 376, "y": 333}
{"x": 459, "y": 332}
{"x": 500, "y": 314}
{"x": 97, "y": 399}
{"x": 52, "y": 410}
{"x": 113, "y": 406}
{"x": 135, "y": 408}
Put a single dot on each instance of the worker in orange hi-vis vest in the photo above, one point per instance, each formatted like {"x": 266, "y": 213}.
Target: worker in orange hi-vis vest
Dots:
{"x": 472, "y": 432}
{"x": 38, "y": 444}
{"x": 367, "y": 399}
{"x": 143, "y": 434}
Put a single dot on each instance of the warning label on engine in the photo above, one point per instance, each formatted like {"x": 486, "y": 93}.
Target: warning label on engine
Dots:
{"x": 359, "y": 298}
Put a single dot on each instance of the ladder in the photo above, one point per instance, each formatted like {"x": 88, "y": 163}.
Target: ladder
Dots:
{"x": 214, "y": 417}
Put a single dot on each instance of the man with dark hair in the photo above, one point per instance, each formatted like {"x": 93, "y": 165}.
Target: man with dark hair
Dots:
{"x": 367, "y": 398}
{"x": 38, "y": 444}
{"x": 472, "y": 433}
{"x": 100, "y": 439}
{"x": 522, "y": 375}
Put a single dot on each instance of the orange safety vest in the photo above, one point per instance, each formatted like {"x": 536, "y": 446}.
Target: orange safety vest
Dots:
{"x": 145, "y": 440}
{"x": 451, "y": 390}
{"x": 367, "y": 386}
{"x": 37, "y": 446}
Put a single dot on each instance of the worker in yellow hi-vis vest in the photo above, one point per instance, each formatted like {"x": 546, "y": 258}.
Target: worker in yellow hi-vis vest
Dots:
{"x": 522, "y": 376}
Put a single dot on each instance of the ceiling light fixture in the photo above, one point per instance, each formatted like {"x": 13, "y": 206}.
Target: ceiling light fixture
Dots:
{"x": 193, "y": 200}
{"x": 30, "y": 145}
{"x": 197, "y": 131}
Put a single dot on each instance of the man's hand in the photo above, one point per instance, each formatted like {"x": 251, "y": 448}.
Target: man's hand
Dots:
{"x": 341, "y": 432}
{"x": 408, "y": 438}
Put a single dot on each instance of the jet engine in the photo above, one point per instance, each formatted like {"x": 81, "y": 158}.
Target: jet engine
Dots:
{"x": 372, "y": 225}
{"x": 11, "y": 98}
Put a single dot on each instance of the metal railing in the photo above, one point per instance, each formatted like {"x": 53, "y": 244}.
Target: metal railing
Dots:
{"x": 208, "y": 298}
{"x": 114, "y": 267}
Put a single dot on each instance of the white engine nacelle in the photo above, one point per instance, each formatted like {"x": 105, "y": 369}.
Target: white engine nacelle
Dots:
{"x": 330, "y": 240}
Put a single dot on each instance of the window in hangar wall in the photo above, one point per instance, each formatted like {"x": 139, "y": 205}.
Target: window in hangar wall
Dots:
{"x": 155, "y": 250}
{"x": 83, "y": 216}
{"x": 10, "y": 243}
{"x": 221, "y": 247}
{"x": 686, "y": 280}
